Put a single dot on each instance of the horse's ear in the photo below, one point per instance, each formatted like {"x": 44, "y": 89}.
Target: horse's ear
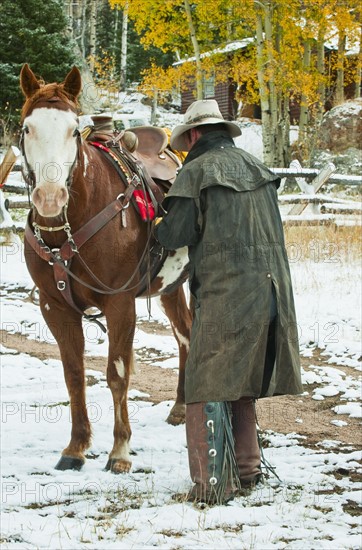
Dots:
{"x": 73, "y": 83}
{"x": 28, "y": 81}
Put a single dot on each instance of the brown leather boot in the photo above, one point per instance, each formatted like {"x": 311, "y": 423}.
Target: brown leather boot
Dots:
{"x": 200, "y": 435}
{"x": 246, "y": 442}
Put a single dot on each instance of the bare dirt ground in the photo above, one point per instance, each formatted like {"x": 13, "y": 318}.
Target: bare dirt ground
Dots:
{"x": 287, "y": 414}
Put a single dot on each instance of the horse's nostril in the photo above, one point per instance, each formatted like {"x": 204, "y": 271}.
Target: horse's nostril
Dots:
{"x": 36, "y": 196}
{"x": 63, "y": 196}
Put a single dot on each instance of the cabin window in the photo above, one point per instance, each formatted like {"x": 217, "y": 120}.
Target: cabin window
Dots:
{"x": 209, "y": 86}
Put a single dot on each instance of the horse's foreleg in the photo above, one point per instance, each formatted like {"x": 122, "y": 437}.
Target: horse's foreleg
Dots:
{"x": 120, "y": 365}
{"x": 67, "y": 330}
{"x": 175, "y": 307}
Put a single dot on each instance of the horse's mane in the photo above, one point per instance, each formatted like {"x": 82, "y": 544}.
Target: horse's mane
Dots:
{"x": 48, "y": 92}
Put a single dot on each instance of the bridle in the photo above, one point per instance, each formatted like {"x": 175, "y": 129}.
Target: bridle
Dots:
{"x": 28, "y": 172}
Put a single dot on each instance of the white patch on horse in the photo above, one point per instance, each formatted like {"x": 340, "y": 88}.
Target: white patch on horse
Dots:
{"x": 184, "y": 341}
{"x": 133, "y": 367}
{"x": 50, "y": 146}
{"x": 86, "y": 163}
{"x": 121, "y": 452}
{"x": 158, "y": 300}
{"x": 47, "y": 307}
{"x": 173, "y": 267}
{"x": 119, "y": 367}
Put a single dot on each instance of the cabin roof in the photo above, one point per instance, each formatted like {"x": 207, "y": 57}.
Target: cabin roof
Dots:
{"x": 230, "y": 47}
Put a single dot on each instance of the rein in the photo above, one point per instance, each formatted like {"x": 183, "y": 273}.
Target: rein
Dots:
{"x": 59, "y": 258}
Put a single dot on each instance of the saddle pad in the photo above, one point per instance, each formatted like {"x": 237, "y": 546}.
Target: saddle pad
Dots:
{"x": 142, "y": 201}
{"x": 144, "y": 205}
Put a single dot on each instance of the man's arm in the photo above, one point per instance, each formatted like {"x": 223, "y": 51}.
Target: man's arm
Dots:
{"x": 179, "y": 227}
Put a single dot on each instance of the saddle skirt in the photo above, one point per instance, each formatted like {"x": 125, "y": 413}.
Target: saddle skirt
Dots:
{"x": 143, "y": 150}
{"x": 147, "y": 144}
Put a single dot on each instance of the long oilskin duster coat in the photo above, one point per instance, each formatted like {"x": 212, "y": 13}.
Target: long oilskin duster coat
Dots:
{"x": 224, "y": 207}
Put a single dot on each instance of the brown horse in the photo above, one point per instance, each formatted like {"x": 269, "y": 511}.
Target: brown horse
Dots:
{"x": 85, "y": 249}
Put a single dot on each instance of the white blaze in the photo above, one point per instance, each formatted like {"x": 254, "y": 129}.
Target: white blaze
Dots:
{"x": 50, "y": 145}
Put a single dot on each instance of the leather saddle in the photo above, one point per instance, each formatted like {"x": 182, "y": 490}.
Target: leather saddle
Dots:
{"x": 147, "y": 145}
{"x": 151, "y": 150}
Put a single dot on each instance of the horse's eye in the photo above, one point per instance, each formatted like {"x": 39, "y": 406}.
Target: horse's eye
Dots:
{"x": 76, "y": 133}
{"x": 25, "y": 129}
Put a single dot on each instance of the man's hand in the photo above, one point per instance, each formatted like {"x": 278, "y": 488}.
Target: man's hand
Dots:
{"x": 155, "y": 223}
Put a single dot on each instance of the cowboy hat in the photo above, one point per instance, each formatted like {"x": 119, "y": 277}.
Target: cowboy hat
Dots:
{"x": 201, "y": 112}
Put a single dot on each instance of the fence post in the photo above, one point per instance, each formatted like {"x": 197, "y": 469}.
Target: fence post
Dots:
{"x": 6, "y": 222}
{"x": 313, "y": 188}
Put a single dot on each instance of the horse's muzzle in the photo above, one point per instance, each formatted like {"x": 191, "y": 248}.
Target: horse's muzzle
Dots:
{"x": 49, "y": 199}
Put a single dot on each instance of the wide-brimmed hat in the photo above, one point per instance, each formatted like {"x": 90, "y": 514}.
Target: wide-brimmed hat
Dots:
{"x": 199, "y": 113}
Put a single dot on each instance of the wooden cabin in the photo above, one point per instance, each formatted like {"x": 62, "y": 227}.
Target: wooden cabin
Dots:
{"x": 225, "y": 92}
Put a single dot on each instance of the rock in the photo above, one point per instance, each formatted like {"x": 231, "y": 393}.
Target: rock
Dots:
{"x": 339, "y": 138}
{"x": 341, "y": 127}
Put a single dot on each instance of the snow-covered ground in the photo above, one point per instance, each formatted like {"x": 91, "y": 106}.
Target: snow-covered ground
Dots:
{"x": 45, "y": 508}
{"x": 93, "y": 509}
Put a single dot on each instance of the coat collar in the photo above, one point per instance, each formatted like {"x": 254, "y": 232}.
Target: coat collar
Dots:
{"x": 210, "y": 141}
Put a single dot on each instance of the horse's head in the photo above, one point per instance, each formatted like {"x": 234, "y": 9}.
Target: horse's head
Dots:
{"x": 49, "y": 141}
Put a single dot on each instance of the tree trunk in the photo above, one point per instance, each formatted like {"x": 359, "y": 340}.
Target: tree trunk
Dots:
{"x": 321, "y": 72}
{"x": 195, "y": 45}
{"x": 154, "y": 107}
{"x": 92, "y": 33}
{"x": 263, "y": 90}
{"x": 357, "y": 89}
{"x": 272, "y": 113}
{"x": 123, "y": 75}
{"x": 77, "y": 22}
{"x": 285, "y": 137}
{"x": 68, "y": 10}
{"x": 304, "y": 111}
{"x": 274, "y": 104}
{"x": 83, "y": 27}
{"x": 339, "y": 97}
{"x": 275, "y": 97}
{"x": 89, "y": 99}
{"x": 115, "y": 31}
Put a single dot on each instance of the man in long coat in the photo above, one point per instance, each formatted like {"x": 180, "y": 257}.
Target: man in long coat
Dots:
{"x": 244, "y": 344}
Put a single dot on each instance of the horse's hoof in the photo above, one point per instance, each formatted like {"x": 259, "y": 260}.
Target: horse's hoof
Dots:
{"x": 118, "y": 465}
{"x": 177, "y": 415}
{"x": 69, "y": 463}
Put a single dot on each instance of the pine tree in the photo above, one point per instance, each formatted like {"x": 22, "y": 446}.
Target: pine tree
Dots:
{"x": 34, "y": 32}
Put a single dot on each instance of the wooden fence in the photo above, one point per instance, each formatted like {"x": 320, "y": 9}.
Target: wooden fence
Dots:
{"x": 309, "y": 206}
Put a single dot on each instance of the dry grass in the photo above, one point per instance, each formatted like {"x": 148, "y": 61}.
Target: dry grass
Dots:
{"x": 324, "y": 243}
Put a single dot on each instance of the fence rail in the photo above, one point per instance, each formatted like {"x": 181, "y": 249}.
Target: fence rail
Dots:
{"x": 311, "y": 173}
{"x": 307, "y": 207}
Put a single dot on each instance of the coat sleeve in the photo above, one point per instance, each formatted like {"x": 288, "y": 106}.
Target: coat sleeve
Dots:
{"x": 179, "y": 227}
